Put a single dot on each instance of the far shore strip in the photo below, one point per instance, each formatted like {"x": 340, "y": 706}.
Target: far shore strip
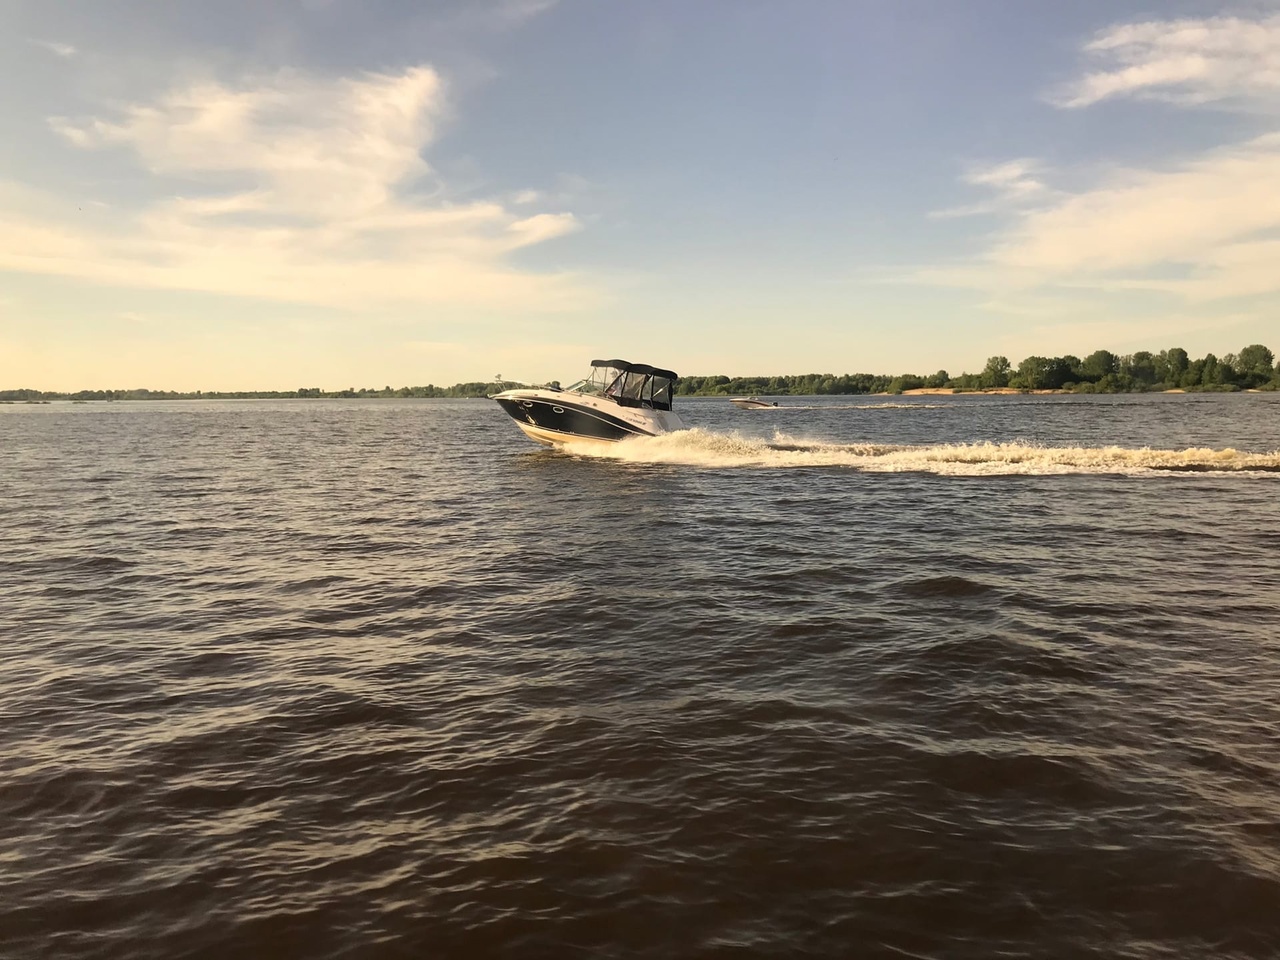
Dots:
{"x": 940, "y": 391}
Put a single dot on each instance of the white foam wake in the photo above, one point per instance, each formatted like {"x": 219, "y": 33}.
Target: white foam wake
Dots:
{"x": 785, "y": 407}
{"x": 705, "y": 448}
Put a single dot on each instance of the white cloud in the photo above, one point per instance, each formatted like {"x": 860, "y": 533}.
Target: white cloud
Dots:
{"x": 1013, "y": 184}
{"x": 319, "y": 147}
{"x": 490, "y": 16}
{"x": 1015, "y": 175}
{"x": 63, "y": 50}
{"x": 536, "y": 229}
{"x": 1220, "y": 59}
{"x": 513, "y": 12}
{"x": 1204, "y": 228}
{"x": 293, "y": 188}
{"x": 1145, "y": 218}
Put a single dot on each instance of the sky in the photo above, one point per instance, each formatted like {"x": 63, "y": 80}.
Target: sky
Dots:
{"x": 270, "y": 194}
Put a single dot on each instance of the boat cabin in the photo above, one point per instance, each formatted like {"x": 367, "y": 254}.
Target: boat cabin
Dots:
{"x": 629, "y": 384}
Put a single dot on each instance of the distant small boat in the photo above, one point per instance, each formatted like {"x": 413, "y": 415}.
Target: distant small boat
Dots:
{"x": 751, "y": 403}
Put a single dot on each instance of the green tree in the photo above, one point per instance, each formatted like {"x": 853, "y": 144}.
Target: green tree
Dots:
{"x": 1254, "y": 365}
{"x": 1141, "y": 368}
{"x": 1043, "y": 373}
{"x": 1193, "y": 374}
{"x": 996, "y": 372}
{"x": 1032, "y": 374}
{"x": 1209, "y": 373}
{"x": 908, "y": 381}
{"x": 1097, "y": 365}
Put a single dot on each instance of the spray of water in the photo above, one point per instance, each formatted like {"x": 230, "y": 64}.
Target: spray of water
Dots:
{"x": 705, "y": 448}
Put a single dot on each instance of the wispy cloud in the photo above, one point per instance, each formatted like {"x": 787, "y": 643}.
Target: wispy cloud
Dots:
{"x": 299, "y": 188}
{"x": 495, "y": 15}
{"x": 1203, "y": 228}
{"x": 514, "y": 12}
{"x": 133, "y": 317}
{"x": 1216, "y": 60}
{"x": 1011, "y": 186}
{"x": 1143, "y": 218}
{"x": 63, "y": 50}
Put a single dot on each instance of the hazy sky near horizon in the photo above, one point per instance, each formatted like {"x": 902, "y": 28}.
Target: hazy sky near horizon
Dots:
{"x": 283, "y": 193}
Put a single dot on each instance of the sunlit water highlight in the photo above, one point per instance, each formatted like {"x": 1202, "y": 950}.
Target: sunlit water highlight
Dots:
{"x": 385, "y": 679}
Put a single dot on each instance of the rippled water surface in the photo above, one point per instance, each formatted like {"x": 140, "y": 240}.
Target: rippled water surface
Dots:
{"x": 856, "y": 677}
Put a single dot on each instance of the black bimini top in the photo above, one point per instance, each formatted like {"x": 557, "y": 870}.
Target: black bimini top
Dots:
{"x": 637, "y": 384}
{"x": 627, "y": 367}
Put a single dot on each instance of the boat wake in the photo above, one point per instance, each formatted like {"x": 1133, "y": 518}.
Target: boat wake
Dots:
{"x": 705, "y": 448}
{"x": 895, "y": 406}
{"x": 784, "y": 407}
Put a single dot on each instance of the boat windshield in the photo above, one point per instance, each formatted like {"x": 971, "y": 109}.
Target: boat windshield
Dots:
{"x": 586, "y": 386}
{"x": 598, "y": 383}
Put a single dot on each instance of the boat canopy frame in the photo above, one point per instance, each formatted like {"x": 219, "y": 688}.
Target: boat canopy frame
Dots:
{"x": 633, "y": 384}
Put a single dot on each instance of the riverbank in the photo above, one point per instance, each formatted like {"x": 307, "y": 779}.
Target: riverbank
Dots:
{"x": 952, "y": 391}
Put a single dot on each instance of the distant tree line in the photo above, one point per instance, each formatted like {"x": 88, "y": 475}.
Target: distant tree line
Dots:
{"x": 1253, "y": 368}
{"x": 430, "y": 390}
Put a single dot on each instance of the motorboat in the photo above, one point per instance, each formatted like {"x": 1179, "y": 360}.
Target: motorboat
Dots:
{"x": 751, "y": 403}
{"x": 618, "y": 400}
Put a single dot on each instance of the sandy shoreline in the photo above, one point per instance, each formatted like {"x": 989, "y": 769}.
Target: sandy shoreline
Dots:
{"x": 951, "y": 391}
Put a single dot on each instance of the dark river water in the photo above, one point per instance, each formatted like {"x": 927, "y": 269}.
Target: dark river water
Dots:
{"x": 957, "y": 677}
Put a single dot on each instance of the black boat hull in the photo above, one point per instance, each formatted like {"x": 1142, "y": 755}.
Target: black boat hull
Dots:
{"x": 563, "y": 421}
